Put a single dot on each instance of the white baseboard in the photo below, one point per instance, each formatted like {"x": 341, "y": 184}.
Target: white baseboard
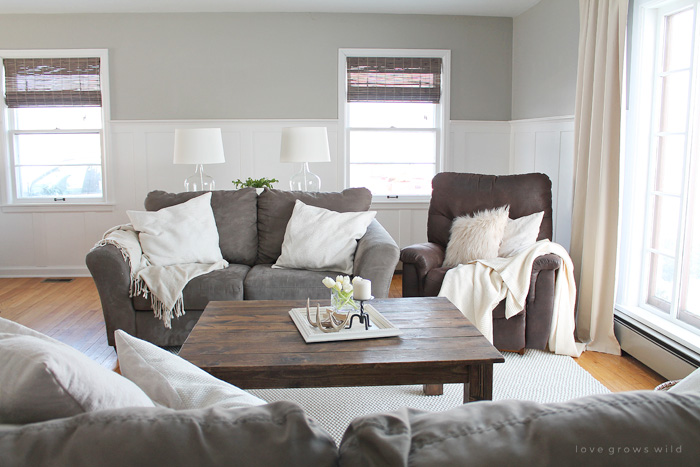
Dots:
{"x": 62, "y": 271}
{"x": 655, "y": 351}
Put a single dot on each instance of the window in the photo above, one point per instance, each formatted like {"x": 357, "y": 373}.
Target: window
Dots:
{"x": 660, "y": 254}
{"x": 393, "y": 105}
{"x": 54, "y": 108}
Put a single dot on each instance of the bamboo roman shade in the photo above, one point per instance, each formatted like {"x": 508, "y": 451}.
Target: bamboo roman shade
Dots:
{"x": 393, "y": 79}
{"x": 52, "y": 82}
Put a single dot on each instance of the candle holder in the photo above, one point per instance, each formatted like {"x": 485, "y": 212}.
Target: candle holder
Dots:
{"x": 362, "y": 317}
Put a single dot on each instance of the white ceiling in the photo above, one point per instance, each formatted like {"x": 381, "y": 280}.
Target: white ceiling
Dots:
{"x": 431, "y": 7}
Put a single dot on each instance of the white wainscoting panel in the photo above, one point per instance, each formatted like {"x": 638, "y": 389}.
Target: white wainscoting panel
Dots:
{"x": 546, "y": 145}
{"x": 47, "y": 243}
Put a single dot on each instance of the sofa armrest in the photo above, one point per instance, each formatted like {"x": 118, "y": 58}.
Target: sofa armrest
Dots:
{"x": 113, "y": 281}
{"x": 376, "y": 258}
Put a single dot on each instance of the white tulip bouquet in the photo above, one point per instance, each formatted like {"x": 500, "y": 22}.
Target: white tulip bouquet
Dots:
{"x": 341, "y": 292}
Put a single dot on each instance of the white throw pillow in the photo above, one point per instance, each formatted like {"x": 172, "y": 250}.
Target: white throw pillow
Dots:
{"x": 318, "y": 239}
{"x": 174, "y": 382}
{"x": 520, "y": 233}
{"x": 43, "y": 379}
{"x": 476, "y": 237}
{"x": 184, "y": 233}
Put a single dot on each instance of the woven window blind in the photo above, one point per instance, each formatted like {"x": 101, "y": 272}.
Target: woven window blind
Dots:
{"x": 393, "y": 79}
{"x": 52, "y": 82}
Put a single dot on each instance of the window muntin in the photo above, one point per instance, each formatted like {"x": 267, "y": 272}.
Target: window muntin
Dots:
{"x": 54, "y": 126}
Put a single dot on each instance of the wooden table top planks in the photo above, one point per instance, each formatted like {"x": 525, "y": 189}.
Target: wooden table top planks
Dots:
{"x": 255, "y": 344}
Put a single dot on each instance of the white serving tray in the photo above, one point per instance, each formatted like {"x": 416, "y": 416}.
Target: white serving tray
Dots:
{"x": 381, "y": 327}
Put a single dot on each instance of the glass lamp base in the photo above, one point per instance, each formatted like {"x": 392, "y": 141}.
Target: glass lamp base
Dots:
{"x": 304, "y": 180}
{"x": 199, "y": 181}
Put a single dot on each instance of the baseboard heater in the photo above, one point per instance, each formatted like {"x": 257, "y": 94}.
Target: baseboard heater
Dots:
{"x": 654, "y": 350}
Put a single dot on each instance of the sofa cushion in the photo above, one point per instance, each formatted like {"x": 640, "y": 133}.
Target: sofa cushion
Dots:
{"x": 631, "y": 428}
{"x": 236, "y": 216}
{"x": 275, "y": 208}
{"x": 520, "y": 233}
{"x": 268, "y": 435}
{"x": 172, "y": 381}
{"x": 318, "y": 239}
{"x": 222, "y": 284}
{"x": 265, "y": 283}
{"x": 42, "y": 379}
{"x": 184, "y": 233}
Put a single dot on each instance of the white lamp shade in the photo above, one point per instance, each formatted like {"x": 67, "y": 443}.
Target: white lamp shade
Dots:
{"x": 305, "y": 144}
{"x": 199, "y": 146}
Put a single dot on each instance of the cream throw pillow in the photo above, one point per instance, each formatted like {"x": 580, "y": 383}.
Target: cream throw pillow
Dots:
{"x": 476, "y": 237}
{"x": 318, "y": 239}
{"x": 520, "y": 234}
{"x": 174, "y": 382}
{"x": 184, "y": 233}
{"x": 43, "y": 379}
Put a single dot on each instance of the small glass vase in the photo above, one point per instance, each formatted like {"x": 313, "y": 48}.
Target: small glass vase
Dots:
{"x": 342, "y": 302}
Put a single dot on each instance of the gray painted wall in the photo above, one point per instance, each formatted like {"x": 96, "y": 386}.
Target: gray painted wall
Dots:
{"x": 251, "y": 65}
{"x": 545, "y": 57}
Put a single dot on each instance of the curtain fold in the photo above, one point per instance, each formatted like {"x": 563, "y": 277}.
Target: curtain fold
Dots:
{"x": 597, "y": 156}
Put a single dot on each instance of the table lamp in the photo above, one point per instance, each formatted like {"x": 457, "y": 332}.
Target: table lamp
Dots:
{"x": 304, "y": 145}
{"x": 199, "y": 146}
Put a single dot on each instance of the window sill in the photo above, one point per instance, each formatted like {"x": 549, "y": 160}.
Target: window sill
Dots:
{"x": 46, "y": 207}
{"x": 382, "y": 203}
{"x": 668, "y": 329}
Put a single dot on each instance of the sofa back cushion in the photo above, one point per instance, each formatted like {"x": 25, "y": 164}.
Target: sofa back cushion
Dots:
{"x": 458, "y": 194}
{"x": 274, "y": 434}
{"x": 235, "y": 213}
{"x": 630, "y": 428}
{"x": 275, "y": 209}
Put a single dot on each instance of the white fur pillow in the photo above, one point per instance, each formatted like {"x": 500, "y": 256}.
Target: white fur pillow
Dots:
{"x": 476, "y": 237}
{"x": 520, "y": 233}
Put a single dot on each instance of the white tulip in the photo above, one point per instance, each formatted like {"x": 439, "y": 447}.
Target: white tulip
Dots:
{"x": 347, "y": 287}
{"x": 356, "y": 279}
{"x": 328, "y": 282}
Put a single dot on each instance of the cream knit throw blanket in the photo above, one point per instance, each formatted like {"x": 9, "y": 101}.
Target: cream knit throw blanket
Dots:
{"x": 164, "y": 284}
{"x": 478, "y": 287}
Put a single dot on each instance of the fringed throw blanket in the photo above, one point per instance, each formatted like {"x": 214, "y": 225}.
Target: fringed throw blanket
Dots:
{"x": 478, "y": 287}
{"x": 164, "y": 284}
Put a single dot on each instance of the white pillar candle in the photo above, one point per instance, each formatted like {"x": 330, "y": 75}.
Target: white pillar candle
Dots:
{"x": 362, "y": 289}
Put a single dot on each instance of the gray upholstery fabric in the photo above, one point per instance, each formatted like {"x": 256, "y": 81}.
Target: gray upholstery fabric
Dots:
{"x": 275, "y": 208}
{"x": 236, "y": 216}
{"x": 274, "y": 434}
{"x": 265, "y": 283}
{"x": 112, "y": 279}
{"x": 376, "y": 258}
{"x": 151, "y": 329}
{"x": 634, "y": 428}
{"x": 222, "y": 284}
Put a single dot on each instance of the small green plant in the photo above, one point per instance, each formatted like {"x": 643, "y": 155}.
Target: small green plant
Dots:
{"x": 257, "y": 183}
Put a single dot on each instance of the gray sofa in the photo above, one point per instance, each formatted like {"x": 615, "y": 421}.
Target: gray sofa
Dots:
{"x": 637, "y": 428}
{"x": 251, "y": 230}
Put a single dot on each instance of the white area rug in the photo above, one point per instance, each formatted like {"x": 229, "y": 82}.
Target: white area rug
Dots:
{"x": 537, "y": 376}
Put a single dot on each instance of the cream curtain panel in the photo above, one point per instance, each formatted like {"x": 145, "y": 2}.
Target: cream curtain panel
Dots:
{"x": 597, "y": 162}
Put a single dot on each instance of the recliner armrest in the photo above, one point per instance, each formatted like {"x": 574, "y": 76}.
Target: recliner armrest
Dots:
{"x": 376, "y": 258}
{"x": 425, "y": 256}
{"x": 546, "y": 262}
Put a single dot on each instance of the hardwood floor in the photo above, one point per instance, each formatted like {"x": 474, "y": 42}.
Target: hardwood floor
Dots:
{"x": 70, "y": 312}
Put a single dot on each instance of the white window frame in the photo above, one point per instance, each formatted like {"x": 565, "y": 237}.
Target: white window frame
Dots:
{"x": 442, "y": 117}
{"x": 10, "y": 201}
{"x": 636, "y": 215}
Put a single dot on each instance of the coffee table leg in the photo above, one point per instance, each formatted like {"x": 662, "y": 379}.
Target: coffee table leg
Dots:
{"x": 432, "y": 389}
{"x": 479, "y": 386}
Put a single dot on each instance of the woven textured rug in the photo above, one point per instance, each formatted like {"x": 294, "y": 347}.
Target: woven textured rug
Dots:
{"x": 537, "y": 376}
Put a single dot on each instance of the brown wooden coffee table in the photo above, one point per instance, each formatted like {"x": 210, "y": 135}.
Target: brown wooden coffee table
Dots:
{"x": 255, "y": 345}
